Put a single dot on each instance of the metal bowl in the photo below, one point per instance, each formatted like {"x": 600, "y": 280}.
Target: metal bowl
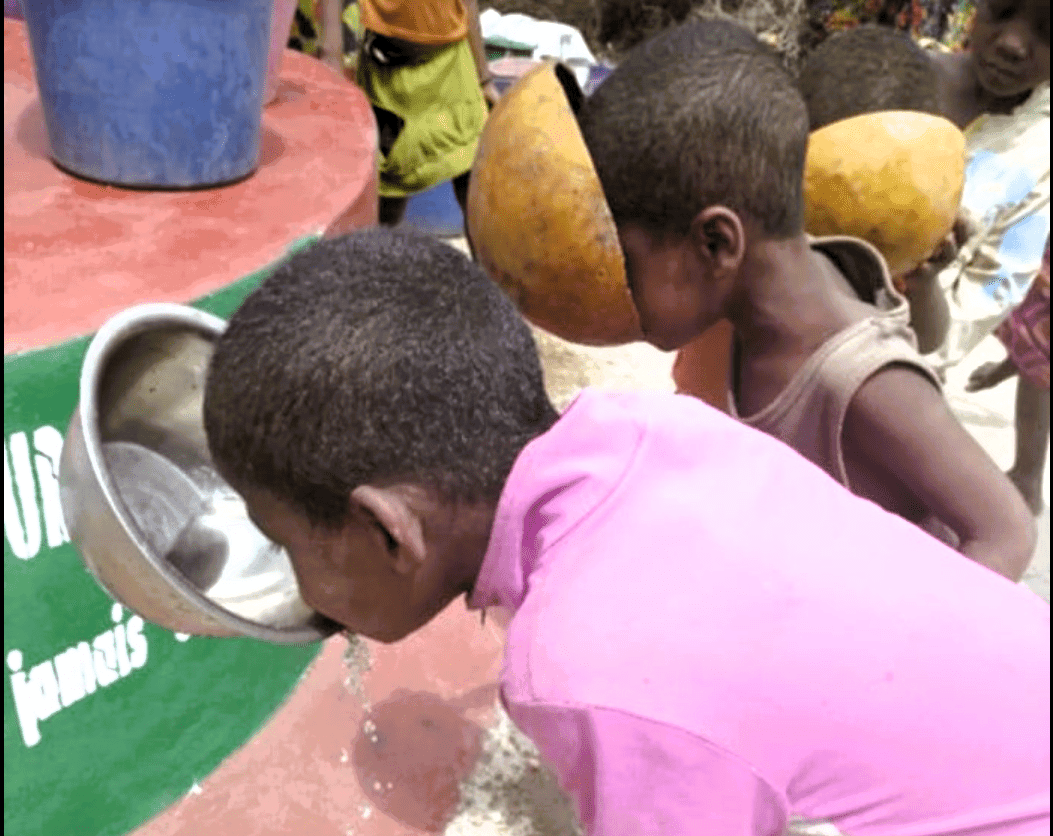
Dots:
{"x": 153, "y": 521}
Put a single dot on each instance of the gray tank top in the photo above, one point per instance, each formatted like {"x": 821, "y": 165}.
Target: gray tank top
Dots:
{"x": 809, "y": 413}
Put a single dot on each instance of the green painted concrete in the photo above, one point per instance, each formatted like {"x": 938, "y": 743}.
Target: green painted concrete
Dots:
{"x": 84, "y": 755}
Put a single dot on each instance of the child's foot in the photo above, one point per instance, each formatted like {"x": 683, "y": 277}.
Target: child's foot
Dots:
{"x": 1030, "y": 488}
{"x": 989, "y": 375}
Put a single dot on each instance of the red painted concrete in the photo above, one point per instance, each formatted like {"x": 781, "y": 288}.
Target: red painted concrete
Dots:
{"x": 76, "y": 252}
{"x": 326, "y": 765}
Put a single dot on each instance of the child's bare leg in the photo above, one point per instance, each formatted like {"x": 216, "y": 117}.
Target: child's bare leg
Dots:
{"x": 989, "y": 375}
{"x": 392, "y": 209}
{"x": 1032, "y": 441}
{"x": 460, "y": 191}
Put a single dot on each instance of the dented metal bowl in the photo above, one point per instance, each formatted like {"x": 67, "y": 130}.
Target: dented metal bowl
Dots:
{"x": 153, "y": 521}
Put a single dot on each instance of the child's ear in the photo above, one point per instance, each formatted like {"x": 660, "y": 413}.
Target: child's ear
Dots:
{"x": 399, "y": 520}
{"x": 719, "y": 236}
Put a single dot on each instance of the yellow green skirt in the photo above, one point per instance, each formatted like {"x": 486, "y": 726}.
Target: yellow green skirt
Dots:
{"x": 443, "y": 111}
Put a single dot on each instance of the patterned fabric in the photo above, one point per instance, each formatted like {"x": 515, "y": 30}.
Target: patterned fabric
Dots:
{"x": 1025, "y": 334}
{"x": 943, "y": 21}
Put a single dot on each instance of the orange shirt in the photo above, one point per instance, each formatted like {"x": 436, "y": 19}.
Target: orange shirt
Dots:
{"x": 426, "y": 22}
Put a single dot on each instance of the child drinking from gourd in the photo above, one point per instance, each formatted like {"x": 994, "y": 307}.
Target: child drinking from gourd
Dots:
{"x": 871, "y": 69}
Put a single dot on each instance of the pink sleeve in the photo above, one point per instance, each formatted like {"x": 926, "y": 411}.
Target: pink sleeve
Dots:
{"x": 630, "y": 776}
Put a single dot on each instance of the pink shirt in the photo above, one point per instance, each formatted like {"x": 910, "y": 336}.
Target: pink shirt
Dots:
{"x": 710, "y": 634}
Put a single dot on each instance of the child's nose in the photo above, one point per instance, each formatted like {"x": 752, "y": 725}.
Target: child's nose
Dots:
{"x": 1014, "y": 42}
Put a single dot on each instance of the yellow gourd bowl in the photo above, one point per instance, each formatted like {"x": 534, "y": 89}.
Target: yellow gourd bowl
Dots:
{"x": 894, "y": 179}
{"x": 538, "y": 220}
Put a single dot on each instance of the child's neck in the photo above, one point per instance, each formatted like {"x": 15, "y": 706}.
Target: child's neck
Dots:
{"x": 789, "y": 300}
{"x": 964, "y": 99}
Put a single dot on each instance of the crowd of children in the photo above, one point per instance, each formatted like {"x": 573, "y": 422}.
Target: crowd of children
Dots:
{"x": 720, "y": 624}
{"x": 961, "y": 295}
{"x": 966, "y": 288}
{"x": 708, "y": 633}
{"x": 389, "y": 427}
{"x": 823, "y": 357}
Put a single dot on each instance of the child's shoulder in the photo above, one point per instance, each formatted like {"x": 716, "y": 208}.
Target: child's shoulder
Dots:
{"x": 853, "y": 323}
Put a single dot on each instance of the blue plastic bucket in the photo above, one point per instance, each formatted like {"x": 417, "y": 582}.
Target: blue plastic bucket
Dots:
{"x": 152, "y": 93}
{"x": 435, "y": 211}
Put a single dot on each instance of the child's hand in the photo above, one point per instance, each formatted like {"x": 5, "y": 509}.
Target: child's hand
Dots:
{"x": 919, "y": 279}
{"x": 964, "y": 229}
{"x": 491, "y": 94}
{"x": 947, "y": 250}
{"x": 945, "y": 253}
{"x": 990, "y": 375}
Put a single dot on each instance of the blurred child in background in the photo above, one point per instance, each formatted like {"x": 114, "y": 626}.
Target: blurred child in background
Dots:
{"x": 422, "y": 63}
{"x": 997, "y": 91}
{"x": 1025, "y": 335}
{"x": 869, "y": 69}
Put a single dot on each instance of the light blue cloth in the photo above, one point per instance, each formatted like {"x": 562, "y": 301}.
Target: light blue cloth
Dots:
{"x": 1006, "y": 198}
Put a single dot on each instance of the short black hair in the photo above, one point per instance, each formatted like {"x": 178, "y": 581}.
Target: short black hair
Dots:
{"x": 701, "y": 114}
{"x": 865, "y": 70}
{"x": 380, "y": 355}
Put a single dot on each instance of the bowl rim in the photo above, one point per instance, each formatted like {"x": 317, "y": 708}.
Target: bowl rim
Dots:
{"x": 120, "y": 328}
